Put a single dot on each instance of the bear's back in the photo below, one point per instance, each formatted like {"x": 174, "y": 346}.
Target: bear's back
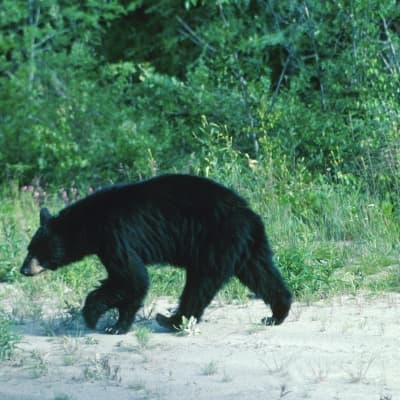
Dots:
{"x": 180, "y": 189}
{"x": 174, "y": 193}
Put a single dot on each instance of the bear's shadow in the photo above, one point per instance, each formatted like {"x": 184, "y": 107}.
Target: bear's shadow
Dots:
{"x": 74, "y": 325}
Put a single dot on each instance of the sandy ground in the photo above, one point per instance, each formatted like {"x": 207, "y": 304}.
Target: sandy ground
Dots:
{"x": 343, "y": 348}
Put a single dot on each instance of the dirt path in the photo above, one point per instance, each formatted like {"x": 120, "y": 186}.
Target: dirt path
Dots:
{"x": 346, "y": 348}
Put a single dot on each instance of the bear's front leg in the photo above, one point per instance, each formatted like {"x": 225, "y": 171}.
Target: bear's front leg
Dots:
{"x": 109, "y": 296}
{"x": 128, "y": 284}
{"x": 99, "y": 301}
{"x": 95, "y": 306}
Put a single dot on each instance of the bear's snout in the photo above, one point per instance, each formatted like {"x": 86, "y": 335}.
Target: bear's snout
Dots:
{"x": 31, "y": 267}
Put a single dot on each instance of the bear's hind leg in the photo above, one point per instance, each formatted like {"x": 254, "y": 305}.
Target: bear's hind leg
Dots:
{"x": 262, "y": 277}
{"x": 197, "y": 294}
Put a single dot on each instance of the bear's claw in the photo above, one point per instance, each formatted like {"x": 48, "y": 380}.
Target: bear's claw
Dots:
{"x": 114, "y": 330}
{"x": 271, "y": 321}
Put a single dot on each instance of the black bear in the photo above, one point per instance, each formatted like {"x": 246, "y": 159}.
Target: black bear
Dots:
{"x": 182, "y": 220}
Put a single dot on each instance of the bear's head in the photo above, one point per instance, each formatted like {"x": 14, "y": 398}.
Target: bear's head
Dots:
{"x": 46, "y": 250}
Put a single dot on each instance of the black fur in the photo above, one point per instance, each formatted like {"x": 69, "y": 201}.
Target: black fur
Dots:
{"x": 182, "y": 220}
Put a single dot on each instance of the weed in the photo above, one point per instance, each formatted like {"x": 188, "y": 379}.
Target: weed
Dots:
{"x": 142, "y": 334}
{"x": 90, "y": 340}
{"x": 276, "y": 365}
{"x": 359, "y": 373}
{"x": 188, "y": 327}
{"x": 234, "y": 291}
{"x": 8, "y": 339}
{"x": 39, "y": 364}
{"x": 319, "y": 371}
{"x": 324, "y": 321}
{"x": 71, "y": 349}
{"x": 295, "y": 312}
{"x": 284, "y": 391}
{"x": 209, "y": 369}
{"x": 100, "y": 369}
{"x": 10, "y": 246}
{"x": 147, "y": 310}
{"x": 226, "y": 377}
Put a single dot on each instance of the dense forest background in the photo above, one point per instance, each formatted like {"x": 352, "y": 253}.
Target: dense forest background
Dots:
{"x": 294, "y": 104}
{"x": 102, "y": 90}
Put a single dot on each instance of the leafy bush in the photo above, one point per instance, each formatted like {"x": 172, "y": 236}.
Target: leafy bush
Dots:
{"x": 98, "y": 92}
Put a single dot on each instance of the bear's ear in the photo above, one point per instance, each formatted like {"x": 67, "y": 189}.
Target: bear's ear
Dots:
{"x": 44, "y": 216}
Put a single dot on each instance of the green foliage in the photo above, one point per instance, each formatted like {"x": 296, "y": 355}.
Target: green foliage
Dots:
{"x": 16, "y": 216}
{"x": 81, "y": 277}
{"x": 307, "y": 273}
{"x": 324, "y": 233}
{"x": 98, "y": 91}
{"x": 234, "y": 291}
{"x": 166, "y": 281}
{"x": 9, "y": 249}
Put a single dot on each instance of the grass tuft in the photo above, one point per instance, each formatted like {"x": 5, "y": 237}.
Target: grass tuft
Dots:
{"x": 8, "y": 339}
